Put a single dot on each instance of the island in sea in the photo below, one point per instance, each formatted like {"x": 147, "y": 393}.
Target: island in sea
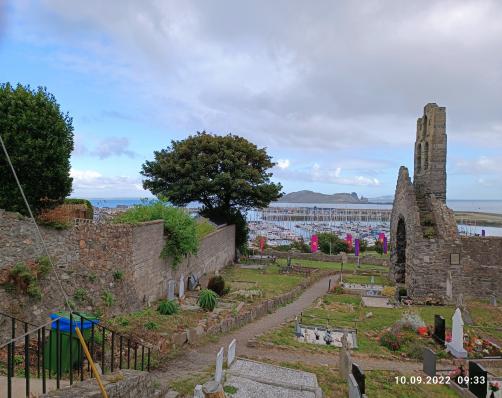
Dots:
{"x": 317, "y": 197}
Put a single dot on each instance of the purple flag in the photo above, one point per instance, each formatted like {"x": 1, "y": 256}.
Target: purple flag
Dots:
{"x": 483, "y": 233}
{"x": 356, "y": 250}
{"x": 384, "y": 245}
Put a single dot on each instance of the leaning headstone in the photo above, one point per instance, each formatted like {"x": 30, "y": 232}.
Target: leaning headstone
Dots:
{"x": 439, "y": 329}
{"x": 360, "y": 377}
{"x": 219, "y": 366}
{"x": 353, "y": 387}
{"x": 456, "y": 346}
{"x": 478, "y": 380}
{"x": 182, "y": 286}
{"x": 429, "y": 362}
{"x": 493, "y": 300}
{"x": 171, "y": 285}
{"x": 197, "y": 392}
{"x": 231, "y": 352}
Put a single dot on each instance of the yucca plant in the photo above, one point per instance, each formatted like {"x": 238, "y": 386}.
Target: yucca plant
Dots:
{"x": 207, "y": 299}
{"x": 168, "y": 307}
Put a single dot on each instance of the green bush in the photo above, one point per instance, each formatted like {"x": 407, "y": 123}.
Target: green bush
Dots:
{"x": 34, "y": 291}
{"x": 204, "y": 228}
{"x": 217, "y": 285}
{"x": 80, "y": 294}
{"x": 118, "y": 275}
{"x": 414, "y": 349}
{"x": 168, "y": 307}
{"x": 179, "y": 227}
{"x": 43, "y": 266}
{"x": 331, "y": 243}
{"x": 108, "y": 298}
{"x": 207, "y": 299}
{"x": 390, "y": 341}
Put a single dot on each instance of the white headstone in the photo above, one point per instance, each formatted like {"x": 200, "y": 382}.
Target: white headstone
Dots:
{"x": 231, "y": 352}
{"x": 219, "y": 366}
{"x": 456, "y": 346}
{"x": 171, "y": 285}
{"x": 182, "y": 286}
{"x": 197, "y": 392}
{"x": 353, "y": 387}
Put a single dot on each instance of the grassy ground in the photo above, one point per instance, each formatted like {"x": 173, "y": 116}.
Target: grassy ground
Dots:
{"x": 379, "y": 384}
{"x": 345, "y": 311}
{"x": 332, "y": 265}
{"x": 269, "y": 281}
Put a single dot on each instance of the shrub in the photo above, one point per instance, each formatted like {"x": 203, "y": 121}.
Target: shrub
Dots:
{"x": 80, "y": 294}
{"x": 179, "y": 227}
{"x": 389, "y": 291}
{"x": 43, "y": 266}
{"x": 118, "y": 275}
{"x": 88, "y": 205}
{"x": 151, "y": 325}
{"x": 217, "y": 285}
{"x": 168, "y": 307}
{"x": 204, "y": 228}
{"x": 207, "y": 299}
{"x": 34, "y": 291}
{"x": 390, "y": 341}
{"x": 108, "y": 298}
{"x": 415, "y": 350}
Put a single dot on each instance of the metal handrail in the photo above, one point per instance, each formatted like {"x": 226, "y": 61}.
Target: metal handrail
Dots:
{"x": 16, "y": 319}
{"x": 29, "y": 332}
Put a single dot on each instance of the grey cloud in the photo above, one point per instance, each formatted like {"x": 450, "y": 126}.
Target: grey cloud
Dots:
{"x": 107, "y": 147}
{"x": 303, "y": 74}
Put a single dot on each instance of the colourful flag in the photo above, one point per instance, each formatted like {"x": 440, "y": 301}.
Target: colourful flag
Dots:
{"x": 262, "y": 244}
{"x": 314, "y": 243}
{"x": 384, "y": 245}
{"x": 356, "y": 252}
{"x": 348, "y": 240}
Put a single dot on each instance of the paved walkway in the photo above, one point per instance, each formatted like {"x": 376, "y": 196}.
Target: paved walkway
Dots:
{"x": 196, "y": 359}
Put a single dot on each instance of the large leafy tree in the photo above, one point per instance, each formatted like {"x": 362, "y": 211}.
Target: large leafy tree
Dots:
{"x": 39, "y": 139}
{"x": 227, "y": 174}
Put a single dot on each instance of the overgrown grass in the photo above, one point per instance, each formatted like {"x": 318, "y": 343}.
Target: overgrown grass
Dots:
{"x": 185, "y": 386}
{"x": 204, "y": 228}
{"x": 365, "y": 279}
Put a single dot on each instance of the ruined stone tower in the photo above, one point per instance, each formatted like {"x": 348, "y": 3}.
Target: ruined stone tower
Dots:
{"x": 430, "y": 155}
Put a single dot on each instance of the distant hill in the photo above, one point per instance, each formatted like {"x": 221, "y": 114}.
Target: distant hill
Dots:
{"x": 316, "y": 197}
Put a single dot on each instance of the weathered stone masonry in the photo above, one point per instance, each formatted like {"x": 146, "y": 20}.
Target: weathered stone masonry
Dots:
{"x": 88, "y": 255}
{"x": 427, "y": 253}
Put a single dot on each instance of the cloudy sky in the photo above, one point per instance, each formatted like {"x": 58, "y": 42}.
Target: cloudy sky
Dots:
{"x": 331, "y": 88}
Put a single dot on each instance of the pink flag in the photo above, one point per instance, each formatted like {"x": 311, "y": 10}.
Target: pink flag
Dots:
{"x": 314, "y": 243}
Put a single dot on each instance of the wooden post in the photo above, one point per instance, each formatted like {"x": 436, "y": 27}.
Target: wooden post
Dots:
{"x": 212, "y": 389}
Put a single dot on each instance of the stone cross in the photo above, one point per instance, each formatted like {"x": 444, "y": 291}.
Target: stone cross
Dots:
{"x": 218, "y": 374}
{"x": 182, "y": 286}
{"x": 171, "y": 285}
{"x": 456, "y": 347}
{"x": 231, "y": 352}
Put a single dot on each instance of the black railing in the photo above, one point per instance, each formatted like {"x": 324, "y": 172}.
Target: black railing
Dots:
{"x": 53, "y": 352}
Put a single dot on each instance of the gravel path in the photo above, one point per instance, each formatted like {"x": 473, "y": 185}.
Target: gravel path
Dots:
{"x": 196, "y": 359}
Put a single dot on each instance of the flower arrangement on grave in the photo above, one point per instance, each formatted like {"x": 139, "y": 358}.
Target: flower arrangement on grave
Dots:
{"x": 456, "y": 373}
{"x": 478, "y": 347}
{"x": 494, "y": 386}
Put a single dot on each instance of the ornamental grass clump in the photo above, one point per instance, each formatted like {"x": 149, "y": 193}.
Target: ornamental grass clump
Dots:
{"x": 390, "y": 341}
{"x": 207, "y": 299}
{"x": 168, "y": 307}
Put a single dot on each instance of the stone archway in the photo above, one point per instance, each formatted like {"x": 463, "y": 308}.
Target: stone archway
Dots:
{"x": 400, "y": 268}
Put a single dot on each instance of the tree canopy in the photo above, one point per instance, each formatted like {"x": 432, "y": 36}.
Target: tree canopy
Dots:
{"x": 39, "y": 139}
{"x": 227, "y": 174}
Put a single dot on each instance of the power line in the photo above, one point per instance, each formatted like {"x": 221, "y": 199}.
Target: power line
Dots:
{"x": 54, "y": 269}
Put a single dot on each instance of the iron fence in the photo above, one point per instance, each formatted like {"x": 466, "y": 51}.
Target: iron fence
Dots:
{"x": 53, "y": 352}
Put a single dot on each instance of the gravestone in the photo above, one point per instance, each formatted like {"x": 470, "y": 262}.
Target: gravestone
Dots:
{"x": 182, "y": 287}
{"x": 360, "y": 377}
{"x": 298, "y": 329}
{"x": 372, "y": 281}
{"x": 493, "y": 300}
{"x": 192, "y": 282}
{"x": 439, "y": 329}
{"x": 231, "y": 352}
{"x": 345, "y": 360}
{"x": 456, "y": 346}
{"x": 429, "y": 362}
{"x": 218, "y": 374}
{"x": 171, "y": 285}
{"x": 289, "y": 261}
{"x": 478, "y": 380}
{"x": 197, "y": 392}
{"x": 353, "y": 387}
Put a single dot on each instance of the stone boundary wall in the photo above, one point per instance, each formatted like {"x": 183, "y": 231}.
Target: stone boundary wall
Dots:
{"x": 88, "y": 256}
{"x": 231, "y": 322}
{"x": 120, "y": 384}
{"x": 337, "y": 258}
